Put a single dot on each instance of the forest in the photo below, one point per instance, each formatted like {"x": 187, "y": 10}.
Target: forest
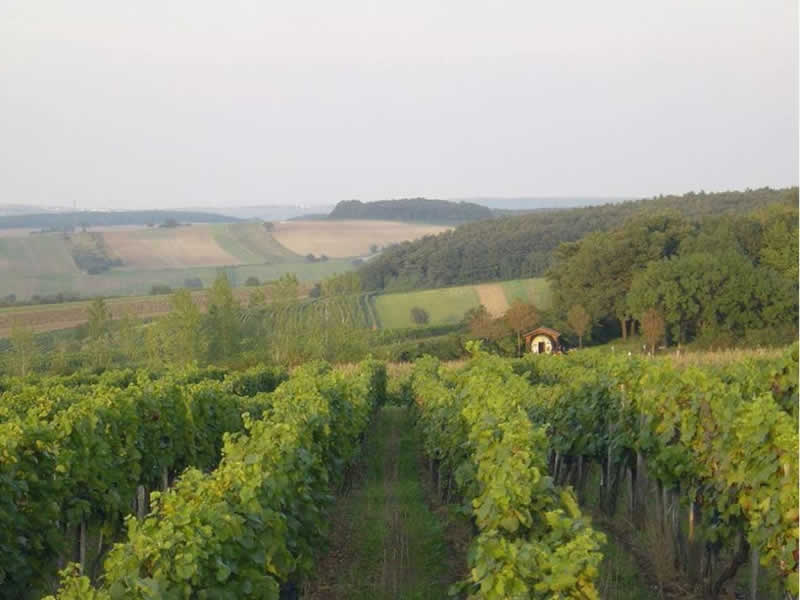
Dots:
{"x": 721, "y": 281}
{"x": 424, "y": 210}
{"x": 523, "y": 246}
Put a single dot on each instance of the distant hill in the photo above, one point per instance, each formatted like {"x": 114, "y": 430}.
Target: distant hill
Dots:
{"x": 500, "y": 204}
{"x": 511, "y": 247}
{"x": 422, "y": 210}
{"x": 28, "y": 209}
{"x": 66, "y": 220}
{"x": 268, "y": 212}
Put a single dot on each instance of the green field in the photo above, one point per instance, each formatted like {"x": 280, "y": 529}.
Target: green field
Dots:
{"x": 536, "y": 291}
{"x": 248, "y": 242}
{"x": 134, "y": 282}
{"x": 448, "y": 305}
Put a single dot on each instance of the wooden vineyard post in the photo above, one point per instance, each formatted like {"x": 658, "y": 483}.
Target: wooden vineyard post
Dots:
{"x": 140, "y": 502}
{"x": 82, "y": 546}
{"x": 753, "y": 573}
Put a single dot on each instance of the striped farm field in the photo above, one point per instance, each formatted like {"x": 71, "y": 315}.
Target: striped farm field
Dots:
{"x": 195, "y": 246}
{"x": 42, "y": 264}
{"x": 347, "y": 238}
{"x": 448, "y": 305}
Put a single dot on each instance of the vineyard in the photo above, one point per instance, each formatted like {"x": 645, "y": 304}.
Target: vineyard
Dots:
{"x": 707, "y": 458}
{"x": 209, "y": 483}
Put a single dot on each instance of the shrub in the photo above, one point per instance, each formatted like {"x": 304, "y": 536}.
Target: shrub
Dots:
{"x": 160, "y": 289}
{"x": 419, "y": 316}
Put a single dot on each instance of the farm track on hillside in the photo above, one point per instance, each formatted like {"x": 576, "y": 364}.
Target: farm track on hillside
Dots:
{"x": 386, "y": 541}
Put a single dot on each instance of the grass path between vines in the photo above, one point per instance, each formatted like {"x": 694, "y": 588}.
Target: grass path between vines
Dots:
{"x": 387, "y": 542}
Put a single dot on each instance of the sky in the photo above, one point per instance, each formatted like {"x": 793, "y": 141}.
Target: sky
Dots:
{"x": 168, "y": 104}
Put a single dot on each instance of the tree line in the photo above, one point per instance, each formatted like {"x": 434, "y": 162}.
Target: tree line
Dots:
{"x": 523, "y": 246}
{"x": 723, "y": 280}
{"x": 412, "y": 209}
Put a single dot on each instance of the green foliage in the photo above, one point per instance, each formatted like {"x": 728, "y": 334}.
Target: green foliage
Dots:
{"x": 75, "y": 449}
{"x": 223, "y": 320}
{"x": 412, "y": 210}
{"x": 579, "y": 321}
{"x": 99, "y": 328}
{"x": 286, "y": 289}
{"x": 419, "y": 316}
{"x": 22, "y": 352}
{"x": 717, "y": 279}
{"x": 532, "y": 540}
{"x": 181, "y": 330}
{"x": 341, "y": 285}
{"x": 252, "y": 524}
{"x": 522, "y": 246}
{"x": 727, "y": 443}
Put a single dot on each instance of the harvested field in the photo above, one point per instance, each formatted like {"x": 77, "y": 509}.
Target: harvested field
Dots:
{"x": 493, "y": 297}
{"x": 168, "y": 248}
{"x": 348, "y": 237}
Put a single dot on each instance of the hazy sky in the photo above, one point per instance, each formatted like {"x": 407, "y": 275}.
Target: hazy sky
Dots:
{"x": 177, "y": 103}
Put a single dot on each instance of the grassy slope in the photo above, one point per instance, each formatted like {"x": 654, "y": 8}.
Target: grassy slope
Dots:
{"x": 535, "y": 290}
{"x": 26, "y": 261}
{"x": 252, "y": 244}
{"x": 385, "y": 540}
{"x": 448, "y": 305}
{"x": 43, "y": 265}
{"x": 445, "y": 305}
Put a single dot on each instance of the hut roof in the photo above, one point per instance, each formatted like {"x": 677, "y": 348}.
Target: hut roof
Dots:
{"x": 552, "y": 333}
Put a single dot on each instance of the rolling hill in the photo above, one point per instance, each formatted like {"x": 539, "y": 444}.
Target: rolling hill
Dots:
{"x": 521, "y": 246}
{"x": 129, "y": 260}
{"x": 413, "y": 210}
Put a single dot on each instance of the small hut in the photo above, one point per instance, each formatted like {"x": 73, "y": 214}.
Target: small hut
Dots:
{"x": 543, "y": 340}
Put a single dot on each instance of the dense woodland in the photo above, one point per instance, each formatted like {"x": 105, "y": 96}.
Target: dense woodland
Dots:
{"x": 522, "y": 246}
{"x": 413, "y": 210}
{"x": 723, "y": 280}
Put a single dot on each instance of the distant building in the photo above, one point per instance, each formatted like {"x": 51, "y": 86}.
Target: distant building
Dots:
{"x": 543, "y": 340}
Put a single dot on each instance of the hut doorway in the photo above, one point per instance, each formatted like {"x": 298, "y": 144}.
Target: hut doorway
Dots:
{"x": 543, "y": 340}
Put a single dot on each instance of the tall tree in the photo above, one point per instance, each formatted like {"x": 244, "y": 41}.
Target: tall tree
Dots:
{"x": 128, "y": 338}
{"x": 578, "y": 320}
{"x": 99, "y": 319}
{"x": 519, "y": 318}
{"x": 597, "y": 271}
{"x": 183, "y": 329}
{"x": 652, "y": 328}
{"x": 341, "y": 285}
{"x": 482, "y": 325}
{"x": 23, "y": 349}
{"x": 286, "y": 289}
{"x": 223, "y": 319}
{"x": 99, "y": 327}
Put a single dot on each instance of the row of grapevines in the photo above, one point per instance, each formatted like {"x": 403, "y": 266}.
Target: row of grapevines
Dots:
{"x": 724, "y": 440}
{"x": 71, "y": 460}
{"x": 252, "y": 524}
{"x": 48, "y": 395}
{"x": 532, "y": 540}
